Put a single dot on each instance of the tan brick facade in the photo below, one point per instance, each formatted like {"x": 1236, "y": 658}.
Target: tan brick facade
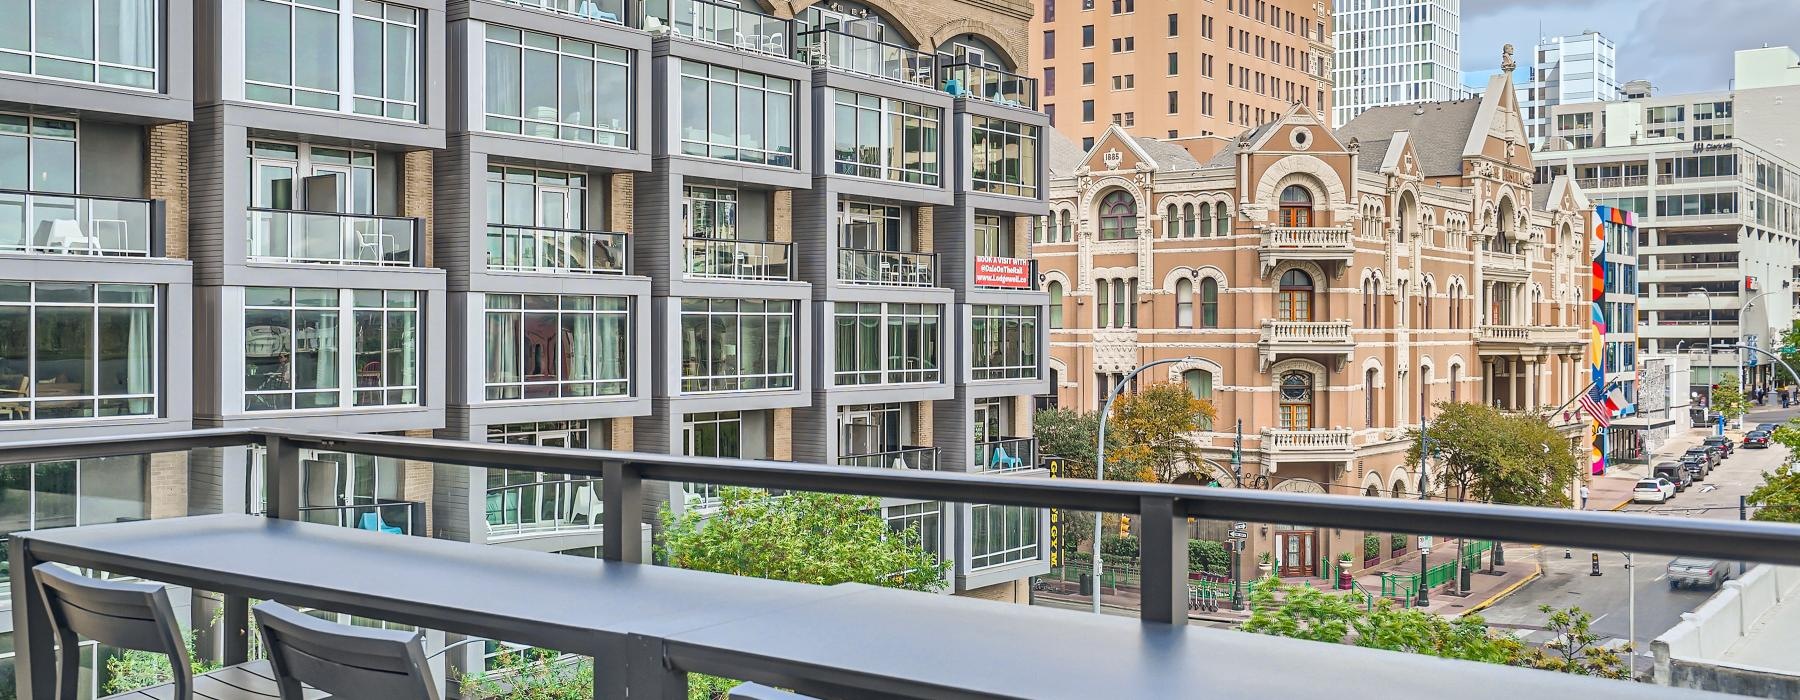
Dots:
{"x": 418, "y": 479}
{"x": 781, "y": 209}
{"x": 168, "y": 485}
{"x": 923, "y": 222}
{"x": 1009, "y": 592}
{"x": 168, "y": 181}
{"x": 621, "y": 201}
{"x": 418, "y": 201}
{"x": 619, "y": 435}
{"x": 921, "y": 429}
{"x": 781, "y": 434}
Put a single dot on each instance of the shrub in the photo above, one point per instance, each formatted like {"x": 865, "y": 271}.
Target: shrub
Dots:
{"x": 1371, "y": 546}
{"x": 1397, "y": 541}
{"x": 1126, "y": 546}
{"x": 1208, "y": 556}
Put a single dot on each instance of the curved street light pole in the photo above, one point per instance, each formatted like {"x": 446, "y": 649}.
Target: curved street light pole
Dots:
{"x": 1743, "y": 369}
{"x": 1100, "y": 454}
{"x": 1773, "y": 356}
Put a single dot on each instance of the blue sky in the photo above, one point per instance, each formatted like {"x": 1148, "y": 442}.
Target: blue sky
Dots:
{"x": 1680, "y": 45}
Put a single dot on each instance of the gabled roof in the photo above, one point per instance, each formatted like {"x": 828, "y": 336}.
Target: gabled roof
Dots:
{"x": 1168, "y": 157}
{"x": 1439, "y": 131}
{"x": 1062, "y": 153}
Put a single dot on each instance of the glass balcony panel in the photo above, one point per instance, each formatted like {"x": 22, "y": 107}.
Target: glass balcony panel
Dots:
{"x": 887, "y": 267}
{"x": 73, "y": 224}
{"x": 531, "y": 249}
{"x": 712, "y": 23}
{"x": 1006, "y": 454}
{"x": 734, "y": 259}
{"x": 279, "y": 235}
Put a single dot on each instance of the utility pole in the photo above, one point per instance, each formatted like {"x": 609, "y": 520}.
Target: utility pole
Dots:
{"x": 1237, "y": 549}
{"x": 1100, "y": 455}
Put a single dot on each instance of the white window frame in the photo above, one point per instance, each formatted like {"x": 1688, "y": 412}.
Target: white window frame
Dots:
{"x": 887, "y": 111}
{"x": 346, "y": 389}
{"x": 346, "y": 12}
{"x": 32, "y": 55}
{"x": 599, "y": 57}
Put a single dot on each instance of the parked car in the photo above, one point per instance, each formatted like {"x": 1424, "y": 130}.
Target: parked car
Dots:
{"x": 1681, "y": 474}
{"x": 1709, "y": 455}
{"x": 1695, "y": 573}
{"x": 1658, "y": 490}
{"x": 1696, "y": 460}
{"x": 1758, "y": 439}
{"x": 1722, "y": 442}
{"x": 1768, "y": 427}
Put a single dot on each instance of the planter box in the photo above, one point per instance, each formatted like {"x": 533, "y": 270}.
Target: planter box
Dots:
{"x": 1371, "y": 561}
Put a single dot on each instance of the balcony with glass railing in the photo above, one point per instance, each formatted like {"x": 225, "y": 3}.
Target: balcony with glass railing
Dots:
{"x": 925, "y": 458}
{"x": 541, "y": 249}
{"x": 989, "y": 84}
{"x": 609, "y": 11}
{"x": 743, "y": 260}
{"x": 58, "y": 223}
{"x": 377, "y": 515}
{"x": 721, "y": 25}
{"x": 285, "y": 235}
{"x": 1007, "y": 454}
{"x": 863, "y": 56}
{"x": 542, "y": 507}
{"x": 887, "y": 267}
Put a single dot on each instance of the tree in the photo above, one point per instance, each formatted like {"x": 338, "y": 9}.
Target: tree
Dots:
{"x": 1574, "y": 649}
{"x": 1728, "y": 398}
{"x": 1778, "y": 497}
{"x": 807, "y": 537}
{"x": 1070, "y": 435}
{"x": 1151, "y": 429}
{"x": 1480, "y": 453}
{"x": 1308, "y": 613}
{"x": 533, "y": 674}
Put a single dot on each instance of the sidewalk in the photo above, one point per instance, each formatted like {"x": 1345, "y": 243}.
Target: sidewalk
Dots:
{"x": 1613, "y": 490}
{"x": 1484, "y": 588}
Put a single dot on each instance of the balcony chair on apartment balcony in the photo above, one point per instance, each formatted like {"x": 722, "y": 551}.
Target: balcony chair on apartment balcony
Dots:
{"x": 1003, "y": 460}
{"x": 373, "y": 523}
{"x": 352, "y": 663}
{"x": 587, "y": 505}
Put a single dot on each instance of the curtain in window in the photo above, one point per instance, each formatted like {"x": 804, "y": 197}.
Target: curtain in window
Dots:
{"x": 503, "y": 332}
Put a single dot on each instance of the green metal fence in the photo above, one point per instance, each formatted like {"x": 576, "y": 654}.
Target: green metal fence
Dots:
{"x": 1394, "y": 584}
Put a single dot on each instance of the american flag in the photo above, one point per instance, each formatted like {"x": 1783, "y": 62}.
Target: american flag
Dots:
{"x": 1590, "y": 401}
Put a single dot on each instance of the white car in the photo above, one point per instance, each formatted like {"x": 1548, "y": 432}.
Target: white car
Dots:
{"x": 1658, "y": 490}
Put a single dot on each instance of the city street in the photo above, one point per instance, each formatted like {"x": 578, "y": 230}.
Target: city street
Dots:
{"x": 1568, "y": 581}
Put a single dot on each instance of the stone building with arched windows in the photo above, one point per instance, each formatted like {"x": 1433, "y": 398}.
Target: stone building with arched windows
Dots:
{"x": 1330, "y": 287}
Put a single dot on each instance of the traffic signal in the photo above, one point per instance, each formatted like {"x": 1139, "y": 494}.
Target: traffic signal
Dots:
{"x": 1124, "y": 526}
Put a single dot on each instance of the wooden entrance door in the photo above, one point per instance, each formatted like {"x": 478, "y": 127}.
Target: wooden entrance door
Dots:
{"x": 1297, "y": 550}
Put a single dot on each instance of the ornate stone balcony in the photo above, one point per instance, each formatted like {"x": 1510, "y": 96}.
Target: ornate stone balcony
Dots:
{"x": 1295, "y": 338}
{"x": 1297, "y": 243}
{"x": 1332, "y": 444}
{"x": 1512, "y": 338}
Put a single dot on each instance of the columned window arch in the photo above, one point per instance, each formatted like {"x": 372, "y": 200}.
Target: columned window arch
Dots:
{"x": 1188, "y": 225}
{"x": 1296, "y": 400}
{"x": 1296, "y": 296}
{"x": 1171, "y": 222}
{"x": 1221, "y": 220}
{"x": 1184, "y": 303}
{"x": 1206, "y": 220}
{"x": 1209, "y": 303}
{"x": 1296, "y": 206}
{"x": 1370, "y": 379}
{"x": 1118, "y": 216}
{"x": 1055, "y": 288}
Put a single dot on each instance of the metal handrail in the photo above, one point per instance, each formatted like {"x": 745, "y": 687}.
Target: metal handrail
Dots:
{"x": 908, "y": 268}
{"x": 594, "y": 240}
{"x": 865, "y": 56}
{"x": 925, "y": 458}
{"x": 86, "y": 237}
{"x": 990, "y": 84}
{"x": 349, "y": 514}
{"x": 741, "y": 259}
{"x": 723, "y": 25}
{"x": 351, "y": 244}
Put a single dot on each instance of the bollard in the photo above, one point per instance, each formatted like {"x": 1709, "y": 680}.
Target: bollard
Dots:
{"x": 1568, "y": 554}
{"x": 1595, "y": 559}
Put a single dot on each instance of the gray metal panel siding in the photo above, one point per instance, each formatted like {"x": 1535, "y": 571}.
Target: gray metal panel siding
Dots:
{"x": 456, "y": 173}
{"x": 206, "y": 480}
{"x": 658, "y": 432}
{"x": 451, "y": 500}
{"x": 462, "y": 72}
{"x": 951, "y": 431}
{"x": 206, "y": 194}
{"x": 814, "y": 229}
{"x": 951, "y": 230}
{"x": 814, "y": 430}
{"x": 655, "y": 220}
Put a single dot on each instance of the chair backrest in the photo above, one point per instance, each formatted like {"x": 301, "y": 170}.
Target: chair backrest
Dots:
{"x": 350, "y": 663}
{"x": 124, "y": 615}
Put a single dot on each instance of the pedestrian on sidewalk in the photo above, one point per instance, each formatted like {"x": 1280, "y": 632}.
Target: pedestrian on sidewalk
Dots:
{"x": 1584, "y": 496}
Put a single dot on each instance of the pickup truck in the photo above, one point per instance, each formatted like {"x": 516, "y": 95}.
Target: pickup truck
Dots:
{"x": 1695, "y": 573}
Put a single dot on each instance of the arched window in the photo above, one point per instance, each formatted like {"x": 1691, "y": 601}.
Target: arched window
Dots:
{"x": 1184, "y": 303}
{"x": 1171, "y": 223}
{"x": 1296, "y": 400}
{"x": 1118, "y": 216}
{"x": 1206, "y": 222}
{"x": 1296, "y": 206}
{"x": 1221, "y": 220}
{"x": 1455, "y": 379}
{"x": 1369, "y": 302}
{"x": 1424, "y": 393}
{"x": 1056, "y": 303}
{"x": 1068, "y": 227}
{"x": 1188, "y": 226}
{"x": 1295, "y": 302}
{"x": 1425, "y": 307}
{"x": 1369, "y": 379}
{"x": 1199, "y": 383}
{"x": 1209, "y": 303}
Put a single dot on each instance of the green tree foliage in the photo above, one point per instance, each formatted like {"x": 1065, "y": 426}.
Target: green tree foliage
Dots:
{"x": 133, "y": 669}
{"x": 1575, "y": 649}
{"x": 1728, "y": 399}
{"x": 1208, "y": 556}
{"x": 1070, "y": 435}
{"x": 1777, "y": 498}
{"x": 534, "y": 674}
{"x": 818, "y": 538}
{"x": 1479, "y": 453}
{"x": 1151, "y": 429}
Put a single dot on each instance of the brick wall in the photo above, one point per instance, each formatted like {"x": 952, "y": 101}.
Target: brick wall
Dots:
{"x": 781, "y": 430}
{"x": 923, "y": 220}
{"x": 621, "y": 203}
{"x": 416, "y": 475}
{"x": 619, "y": 431}
{"x": 1021, "y": 226}
{"x": 922, "y": 433}
{"x": 418, "y": 195}
{"x": 168, "y": 181}
{"x": 781, "y": 209}
{"x": 168, "y": 485}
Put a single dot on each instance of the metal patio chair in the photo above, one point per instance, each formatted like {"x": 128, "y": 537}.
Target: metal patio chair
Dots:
{"x": 351, "y": 663}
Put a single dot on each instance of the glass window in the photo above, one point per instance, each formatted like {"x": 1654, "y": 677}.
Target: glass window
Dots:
{"x": 736, "y": 345}
{"x": 906, "y": 335}
{"x": 112, "y": 42}
{"x": 715, "y": 434}
{"x": 921, "y": 521}
{"x": 545, "y": 346}
{"x": 537, "y": 222}
{"x": 1003, "y": 157}
{"x": 385, "y": 73}
{"x": 294, "y": 345}
{"x": 736, "y": 115}
{"x": 1056, "y": 304}
{"x": 1004, "y": 340}
{"x": 1002, "y": 535}
{"x": 1184, "y": 303}
{"x": 74, "y": 350}
{"x": 885, "y": 138}
{"x": 1209, "y": 303}
{"x": 1118, "y": 216}
{"x": 556, "y": 88}
{"x": 43, "y": 495}
{"x": 1199, "y": 383}
{"x": 36, "y": 154}
{"x": 291, "y": 52}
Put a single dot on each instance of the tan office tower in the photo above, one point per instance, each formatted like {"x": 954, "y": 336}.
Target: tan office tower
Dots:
{"x": 1180, "y": 68}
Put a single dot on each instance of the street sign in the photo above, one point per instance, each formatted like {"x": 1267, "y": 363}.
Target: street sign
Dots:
{"x": 1424, "y": 544}
{"x": 1239, "y": 531}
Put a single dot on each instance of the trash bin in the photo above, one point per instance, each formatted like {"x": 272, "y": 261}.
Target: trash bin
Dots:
{"x": 1087, "y": 584}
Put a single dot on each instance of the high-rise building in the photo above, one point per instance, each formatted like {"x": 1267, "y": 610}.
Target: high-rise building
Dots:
{"x": 1567, "y": 70}
{"x": 1395, "y": 52}
{"x": 1714, "y": 181}
{"x": 785, "y": 231}
{"x": 1323, "y": 289}
{"x": 1181, "y": 69}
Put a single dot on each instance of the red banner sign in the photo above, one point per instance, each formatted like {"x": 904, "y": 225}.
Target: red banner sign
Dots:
{"x": 1011, "y": 273}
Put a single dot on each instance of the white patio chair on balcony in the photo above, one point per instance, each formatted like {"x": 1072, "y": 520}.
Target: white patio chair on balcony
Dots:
{"x": 586, "y": 504}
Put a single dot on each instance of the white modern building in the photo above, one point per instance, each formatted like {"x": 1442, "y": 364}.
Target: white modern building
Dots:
{"x": 1395, "y": 52}
{"x": 1567, "y": 70}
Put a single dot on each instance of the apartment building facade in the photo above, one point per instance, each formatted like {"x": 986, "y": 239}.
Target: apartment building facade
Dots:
{"x": 1182, "y": 69}
{"x": 1712, "y": 180}
{"x": 674, "y": 226}
{"x": 1569, "y": 69}
{"x": 1395, "y": 52}
{"x": 1331, "y": 288}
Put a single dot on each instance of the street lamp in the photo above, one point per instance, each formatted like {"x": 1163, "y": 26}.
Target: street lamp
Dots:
{"x": 1743, "y": 370}
{"x": 1100, "y": 453}
{"x": 1424, "y": 598}
{"x": 1700, "y": 294}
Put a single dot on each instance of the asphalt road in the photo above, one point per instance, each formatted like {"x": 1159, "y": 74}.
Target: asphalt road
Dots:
{"x": 1567, "y": 582}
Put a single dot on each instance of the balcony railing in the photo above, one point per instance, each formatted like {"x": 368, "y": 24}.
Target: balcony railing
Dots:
{"x": 1278, "y": 440}
{"x": 556, "y": 505}
{"x": 742, "y": 260}
{"x": 862, "y": 56}
{"x": 1303, "y": 332}
{"x": 925, "y": 458}
{"x": 1326, "y": 239}
{"x": 995, "y": 272}
{"x": 535, "y": 249}
{"x": 887, "y": 267}
{"x": 284, "y": 235}
{"x": 766, "y": 631}
{"x": 610, "y": 11}
{"x": 1528, "y": 334}
{"x": 383, "y": 515}
{"x": 724, "y": 25}
{"x": 1613, "y": 181}
{"x": 1007, "y": 454}
{"x": 79, "y": 224}
{"x": 989, "y": 84}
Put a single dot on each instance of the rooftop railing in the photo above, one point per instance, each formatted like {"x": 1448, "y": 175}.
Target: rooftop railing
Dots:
{"x": 864, "y": 56}
{"x": 609, "y": 11}
{"x": 989, "y": 84}
{"x": 648, "y": 626}
{"x": 724, "y": 25}
{"x": 79, "y": 224}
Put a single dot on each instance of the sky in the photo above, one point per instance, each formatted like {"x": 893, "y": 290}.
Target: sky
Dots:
{"x": 1679, "y": 45}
